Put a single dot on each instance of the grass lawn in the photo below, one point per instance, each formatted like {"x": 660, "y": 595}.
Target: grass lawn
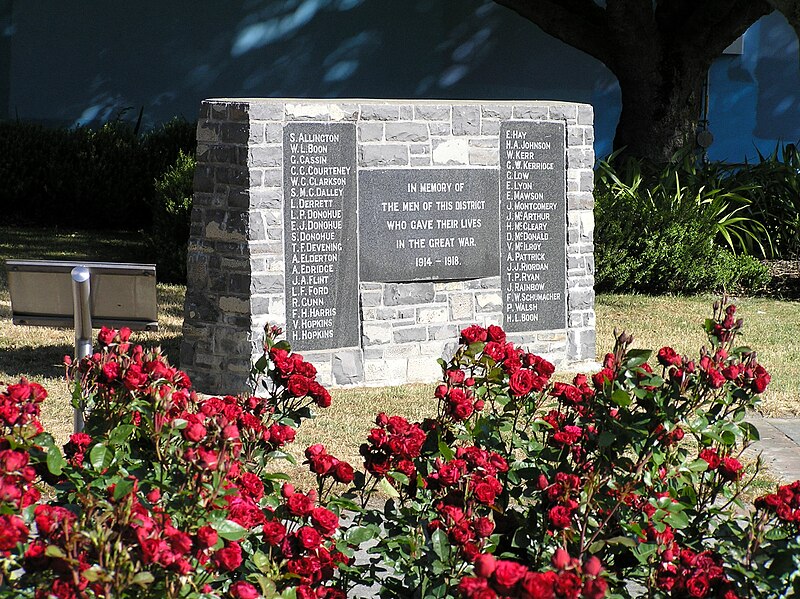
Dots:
{"x": 771, "y": 326}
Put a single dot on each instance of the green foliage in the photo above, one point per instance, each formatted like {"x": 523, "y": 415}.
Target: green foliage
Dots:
{"x": 85, "y": 178}
{"x": 774, "y": 191}
{"x": 172, "y": 212}
{"x": 678, "y": 229}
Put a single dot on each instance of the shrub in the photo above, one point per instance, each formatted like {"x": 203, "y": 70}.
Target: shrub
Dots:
{"x": 172, "y": 211}
{"x": 85, "y": 178}
{"x": 519, "y": 488}
{"x": 663, "y": 235}
{"x": 774, "y": 190}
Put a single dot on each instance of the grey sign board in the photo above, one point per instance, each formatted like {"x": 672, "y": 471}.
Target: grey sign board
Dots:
{"x": 122, "y": 294}
{"x": 320, "y": 204}
{"x": 432, "y": 224}
{"x": 533, "y": 225}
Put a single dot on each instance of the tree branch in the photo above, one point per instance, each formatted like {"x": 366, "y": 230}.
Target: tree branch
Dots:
{"x": 706, "y": 28}
{"x": 580, "y": 23}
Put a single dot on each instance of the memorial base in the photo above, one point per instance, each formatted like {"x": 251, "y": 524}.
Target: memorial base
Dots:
{"x": 374, "y": 231}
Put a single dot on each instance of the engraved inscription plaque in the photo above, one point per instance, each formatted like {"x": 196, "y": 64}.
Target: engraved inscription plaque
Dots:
{"x": 319, "y": 186}
{"x": 533, "y": 225}
{"x": 428, "y": 224}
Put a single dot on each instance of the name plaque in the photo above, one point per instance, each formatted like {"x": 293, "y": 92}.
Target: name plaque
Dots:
{"x": 428, "y": 224}
{"x": 533, "y": 225}
{"x": 320, "y": 221}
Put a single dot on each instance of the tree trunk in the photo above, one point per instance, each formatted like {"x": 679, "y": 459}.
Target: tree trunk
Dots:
{"x": 661, "y": 109}
{"x": 660, "y": 51}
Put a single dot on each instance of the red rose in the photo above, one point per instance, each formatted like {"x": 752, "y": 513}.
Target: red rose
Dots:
{"x": 243, "y": 590}
{"x": 206, "y": 536}
{"x": 483, "y": 527}
{"x": 274, "y": 532}
{"x": 106, "y": 336}
{"x": 309, "y": 537}
{"x": 485, "y": 492}
{"x": 12, "y": 461}
{"x": 229, "y": 557}
{"x": 710, "y": 455}
{"x": 668, "y": 357}
{"x": 601, "y": 378}
{"x": 485, "y": 565}
{"x": 298, "y": 385}
{"x": 567, "y": 584}
{"x": 300, "y": 504}
{"x": 595, "y": 588}
{"x": 324, "y": 521}
{"x": 194, "y": 432}
{"x": 521, "y": 382}
{"x": 473, "y": 334}
{"x": 12, "y": 531}
{"x": 539, "y": 585}
{"x": 496, "y": 333}
{"x": 507, "y": 574}
{"x": 698, "y": 585}
{"x": 343, "y": 473}
{"x": 110, "y": 371}
{"x": 560, "y": 516}
{"x": 730, "y": 469}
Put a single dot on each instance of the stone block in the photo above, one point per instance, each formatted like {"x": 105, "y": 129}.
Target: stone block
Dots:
{"x": 307, "y": 112}
{"x": 483, "y": 157}
{"x": 407, "y": 293}
{"x": 371, "y": 298}
{"x": 409, "y": 334}
{"x": 461, "y": 306}
{"x": 564, "y": 112}
{"x": 383, "y": 155}
{"x": 430, "y": 315}
{"x": 380, "y": 112}
{"x": 466, "y": 120}
{"x": 423, "y": 370}
{"x": 266, "y": 111}
{"x": 370, "y": 132}
{"x": 347, "y": 367}
{"x": 432, "y": 112}
{"x": 386, "y": 371}
{"x": 266, "y": 156}
{"x": 488, "y": 302}
{"x": 376, "y": 334}
{"x": 580, "y": 299}
{"x": 451, "y": 151}
{"x": 530, "y": 112}
{"x": 406, "y": 132}
{"x": 501, "y": 112}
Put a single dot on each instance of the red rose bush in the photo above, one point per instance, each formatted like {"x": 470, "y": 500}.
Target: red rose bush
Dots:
{"x": 629, "y": 482}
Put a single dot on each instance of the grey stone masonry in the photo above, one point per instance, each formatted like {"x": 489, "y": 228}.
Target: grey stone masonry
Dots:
{"x": 244, "y": 216}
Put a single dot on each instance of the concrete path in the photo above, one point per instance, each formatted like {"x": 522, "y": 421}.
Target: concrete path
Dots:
{"x": 779, "y": 446}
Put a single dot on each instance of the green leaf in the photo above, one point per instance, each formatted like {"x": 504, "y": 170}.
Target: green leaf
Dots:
{"x": 122, "y": 488}
{"x": 621, "y": 398}
{"x": 262, "y": 561}
{"x": 100, "y": 457}
{"x": 387, "y": 488}
{"x": 120, "y": 434}
{"x": 605, "y": 439}
{"x": 261, "y": 364}
{"x": 53, "y": 551}
{"x": 440, "y": 544}
{"x": 143, "y": 579}
{"x": 359, "y": 535}
{"x": 55, "y": 461}
{"x": 399, "y": 477}
{"x": 677, "y": 520}
{"x": 229, "y": 530}
{"x": 637, "y": 357}
{"x": 624, "y": 541}
{"x": 447, "y": 453}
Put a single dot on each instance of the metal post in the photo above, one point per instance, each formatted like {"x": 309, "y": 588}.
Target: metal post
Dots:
{"x": 83, "y": 325}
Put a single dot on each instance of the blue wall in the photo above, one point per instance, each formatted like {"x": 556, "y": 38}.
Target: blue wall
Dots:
{"x": 87, "y": 61}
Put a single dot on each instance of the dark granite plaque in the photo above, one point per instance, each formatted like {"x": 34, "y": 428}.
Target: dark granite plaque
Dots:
{"x": 533, "y": 225}
{"x": 428, "y": 224}
{"x": 319, "y": 186}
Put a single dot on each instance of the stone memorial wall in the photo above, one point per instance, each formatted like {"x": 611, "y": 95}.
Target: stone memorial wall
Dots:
{"x": 373, "y": 231}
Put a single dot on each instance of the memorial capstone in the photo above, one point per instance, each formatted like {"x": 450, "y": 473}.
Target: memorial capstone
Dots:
{"x": 373, "y": 231}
